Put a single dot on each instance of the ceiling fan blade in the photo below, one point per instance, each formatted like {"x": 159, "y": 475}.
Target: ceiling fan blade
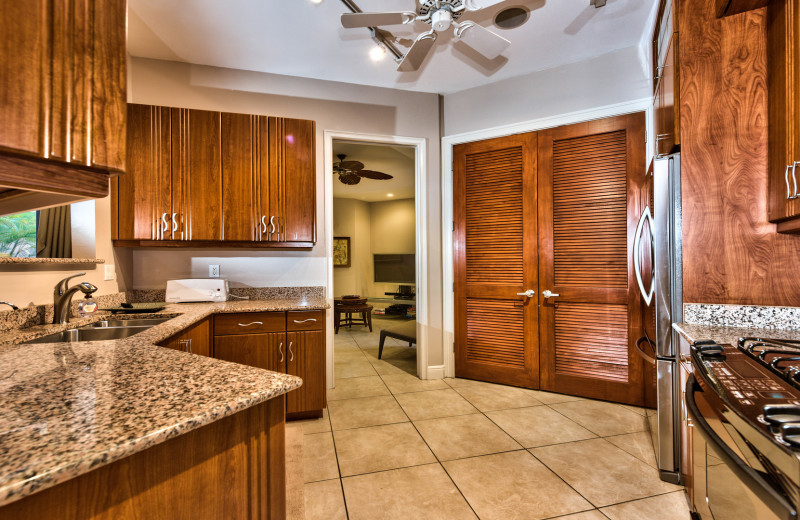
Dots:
{"x": 352, "y": 20}
{"x": 370, "y": 174}
{"x": 482, "y": 40}
{"x": 418, "y": 52}
{"x": 349, "y": 178}
{"x": 351, "y": 165}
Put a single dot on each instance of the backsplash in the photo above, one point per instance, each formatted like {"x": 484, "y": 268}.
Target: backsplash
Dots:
{"x": 742, "y": 316}
{"x": 40, "y": 314}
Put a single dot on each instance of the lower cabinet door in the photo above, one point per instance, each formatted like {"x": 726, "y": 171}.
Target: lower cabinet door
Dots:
{"x": 306, "y": 359}
{"x": 266, "y": 351}
{"x": 195, "y": 340}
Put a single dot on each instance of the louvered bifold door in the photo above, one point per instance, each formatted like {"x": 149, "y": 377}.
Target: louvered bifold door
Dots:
{"x": 495, "y": 249}
{"x": 590, "y": 194}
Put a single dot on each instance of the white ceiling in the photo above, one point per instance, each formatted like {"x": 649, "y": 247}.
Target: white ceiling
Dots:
{"x": 397, "y": 161}
{"x": 300, "y": 38}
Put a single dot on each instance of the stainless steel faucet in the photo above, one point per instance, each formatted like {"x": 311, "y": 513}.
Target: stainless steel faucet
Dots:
{"x": 13, "y": 307}
{"x": 62, "y": 296}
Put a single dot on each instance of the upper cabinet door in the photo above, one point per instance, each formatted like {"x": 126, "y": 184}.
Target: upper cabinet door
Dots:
{"x": 293, "y": 179}
{"x": 63, "y": 86}
{"x": 239, "y": 172}
{"x": 197, "y": 169}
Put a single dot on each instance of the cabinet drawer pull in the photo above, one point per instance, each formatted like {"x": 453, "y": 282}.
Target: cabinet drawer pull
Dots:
{"x": 174, "y": 222}
{"x": 280, "y": 349}
{"x": 165, "y": 225}
{"x": 305, "y": 321}
{"x": 272, "y": 225}
{"x": 291, "y": 353}
{"x": 251, "y": 323}
{"x": 263, "y": 225}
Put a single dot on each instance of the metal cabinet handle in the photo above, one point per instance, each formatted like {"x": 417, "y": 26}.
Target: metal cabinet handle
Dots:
{"x": 280, "y": 349}
{"x": 164, "y": 224}
{"x": 185, "y": 345}
{"x": 263, "y": 224}
{"x": 548, "y": 294}
{"x": 637, "y": 239}
{"x": 786, "y": 178}
{"x": 189, "y": 346}
{"x": 174, "y": 222}
{"x": 305, "y": 321}
{"x": 794, "y": 179}
{"x": 291, "y": 353}
{"x": 251, "y": 323}
{"x": 529, "y": 293}
{"x": 272, "y": 225}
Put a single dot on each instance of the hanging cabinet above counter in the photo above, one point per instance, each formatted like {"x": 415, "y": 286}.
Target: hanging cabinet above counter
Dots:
{"x": 215, "y": 179}
{"x": 62, "y": 101}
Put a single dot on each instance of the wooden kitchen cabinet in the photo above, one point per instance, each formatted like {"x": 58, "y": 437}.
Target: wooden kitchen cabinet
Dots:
{"x": 290, "y": 342}
{"x": 195, "y": 340}
{"x": 62, "y": 96}
{"x": 666, "y": 106}
{"x": 235, "y": 180}
{"x": 783, "y": 41}
{"x": 729, "y": 7}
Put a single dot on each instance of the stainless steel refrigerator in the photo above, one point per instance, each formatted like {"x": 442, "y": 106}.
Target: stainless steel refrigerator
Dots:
{"x": 658, "y": 274}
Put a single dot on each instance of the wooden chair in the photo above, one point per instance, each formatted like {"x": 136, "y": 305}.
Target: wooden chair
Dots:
{"x": 345, "y": 308}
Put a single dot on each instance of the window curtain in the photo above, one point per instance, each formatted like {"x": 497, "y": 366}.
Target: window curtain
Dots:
{"x": 54, "y": 233}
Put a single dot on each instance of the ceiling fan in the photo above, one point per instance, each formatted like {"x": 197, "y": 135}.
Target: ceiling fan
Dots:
{"x": 440, "y": 15}
{"x": 351, "y": 172}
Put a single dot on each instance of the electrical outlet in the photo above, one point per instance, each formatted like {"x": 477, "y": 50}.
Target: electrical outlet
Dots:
{"x": 213, "y": 271}
{"x": 109, "y": 273}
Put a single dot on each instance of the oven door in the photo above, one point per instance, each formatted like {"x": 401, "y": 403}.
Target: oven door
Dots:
{"x": 733, "y": 489}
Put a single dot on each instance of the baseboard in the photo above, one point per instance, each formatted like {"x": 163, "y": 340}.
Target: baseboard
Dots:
{"x": 436, "y": 372}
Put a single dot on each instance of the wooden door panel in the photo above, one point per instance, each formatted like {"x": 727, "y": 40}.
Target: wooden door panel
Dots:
{"x": 239, "y": 157}
{"x": 276, "y": 179}
{"x": 494, "y": 194}
{"x": 299, "y": 211}
{"x": 267, "y": 351}
{"x": 590, "y": 198}
{"x": 306, "y": 359}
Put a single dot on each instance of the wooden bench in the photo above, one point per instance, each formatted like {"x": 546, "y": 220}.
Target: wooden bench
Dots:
{"x": 405, "y": 332}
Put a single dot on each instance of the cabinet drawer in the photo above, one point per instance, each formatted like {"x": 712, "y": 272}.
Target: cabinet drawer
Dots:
{"x": 305, "y": 320}
{"x": 249, "y": 323}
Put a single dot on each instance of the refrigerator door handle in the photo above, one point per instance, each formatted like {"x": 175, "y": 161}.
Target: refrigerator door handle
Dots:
{"x": 647, "y": 357}
{"x": 637, "y": 240}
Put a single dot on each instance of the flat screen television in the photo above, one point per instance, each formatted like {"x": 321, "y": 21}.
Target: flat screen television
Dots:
{"x": 398, "y": 269}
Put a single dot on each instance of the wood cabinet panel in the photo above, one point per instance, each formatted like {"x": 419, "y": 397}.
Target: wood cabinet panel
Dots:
{"x": 305, "y": 320}
{"x": 231, "y": 468}
{"x": 729, "y": 7}
{"x": 306, "y": 359}
{"x": 239, "y": 172}
{"x": 249, "y": 323}
{"x": 267, "y": 351}
{"x": 194, "y": 340}
{"x": 298, "y": 181}
{"x": 666, "y": 81}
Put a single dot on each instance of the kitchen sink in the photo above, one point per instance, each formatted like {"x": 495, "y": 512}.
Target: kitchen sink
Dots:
{"x": 149, "y": 322}
{"x": 89, "y": 334}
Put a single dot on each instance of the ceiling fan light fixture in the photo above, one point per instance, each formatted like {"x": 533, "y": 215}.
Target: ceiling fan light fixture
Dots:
{"x": 316, "y": 1}
{"x": 378, "y": 52}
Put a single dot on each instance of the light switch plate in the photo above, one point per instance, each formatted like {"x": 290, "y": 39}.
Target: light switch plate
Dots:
{"x": 213, "y": 271}
{"x": 109, "y": 272}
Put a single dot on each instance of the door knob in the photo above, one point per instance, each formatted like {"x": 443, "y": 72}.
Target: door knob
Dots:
{"x": 529, "y": 293}
{"x": 548, "y": 294}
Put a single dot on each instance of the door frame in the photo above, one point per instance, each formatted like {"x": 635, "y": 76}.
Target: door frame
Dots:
{"x": 448, "y": 268}
{"x": 421, "y": 219}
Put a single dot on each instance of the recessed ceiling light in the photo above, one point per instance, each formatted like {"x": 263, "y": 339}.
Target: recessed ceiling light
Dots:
{"x": 390, "y": 194}
{"x": 377, "y": 53}
{"x": 511, "y": 18}
{"x": 316, "y": 1}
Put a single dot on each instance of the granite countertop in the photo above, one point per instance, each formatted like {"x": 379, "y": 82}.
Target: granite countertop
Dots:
{"x": 69, "y": 408}
{"x": 723, "y": 334}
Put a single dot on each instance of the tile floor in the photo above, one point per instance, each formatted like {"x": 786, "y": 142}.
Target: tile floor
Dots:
{"x": 391, "y": 446}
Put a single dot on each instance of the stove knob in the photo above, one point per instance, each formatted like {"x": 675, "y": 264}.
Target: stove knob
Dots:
{"x": 790, "y": 434}
{"x": 778, "y": 414}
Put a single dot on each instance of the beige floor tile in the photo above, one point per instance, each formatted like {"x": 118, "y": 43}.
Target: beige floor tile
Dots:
{"x": 464, "y": 436}
{"x": 324, "y": 500}
{"x": 511, "y": 486}
{"x": 378, "y": 448}
{"x": 638, "y": 444}
{"x": 602, "y": 418}
{"x": 497, "y": 397}
{"x": 348, "y": 355}
{"x": 637, "y": 409}
{"x": 354, "y": 387}
{"x": 553, "y": 398}
{"x": 323, "y": 424}
{"x": 405, "y": 383}
{"x": 601, "y": 472}
{"x": 424, "y": 492}
{"x": 390, "y": 353}
{"x": 347, "y": 369}
{"x": 594, "y": 514}
{"x": 365, "y": 411}
{"x": 672, "y": 506}
{"x": 434, "y": 403}
{"x": 539, "y": 426}
{"x": 319, "y": 457}
{"x": 392, "y": 368}
{"x": 457, "y": 382}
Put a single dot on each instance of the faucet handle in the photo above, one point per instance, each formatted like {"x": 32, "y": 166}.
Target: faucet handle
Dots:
{"x": 62, "y": 286}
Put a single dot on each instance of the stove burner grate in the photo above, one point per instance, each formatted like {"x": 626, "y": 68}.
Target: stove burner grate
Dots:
{"x": 781, "y": 356}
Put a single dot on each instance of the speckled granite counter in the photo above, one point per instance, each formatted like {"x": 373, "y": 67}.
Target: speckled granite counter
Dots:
{"x": 69, "y": 408}
{"x": 693, "y": 332}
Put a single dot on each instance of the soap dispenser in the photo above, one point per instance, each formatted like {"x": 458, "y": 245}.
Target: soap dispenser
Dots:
{"x": 87, "y": 306}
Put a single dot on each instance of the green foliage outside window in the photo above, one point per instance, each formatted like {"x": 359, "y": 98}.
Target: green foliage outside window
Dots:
{"x": 18, "y": 235}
